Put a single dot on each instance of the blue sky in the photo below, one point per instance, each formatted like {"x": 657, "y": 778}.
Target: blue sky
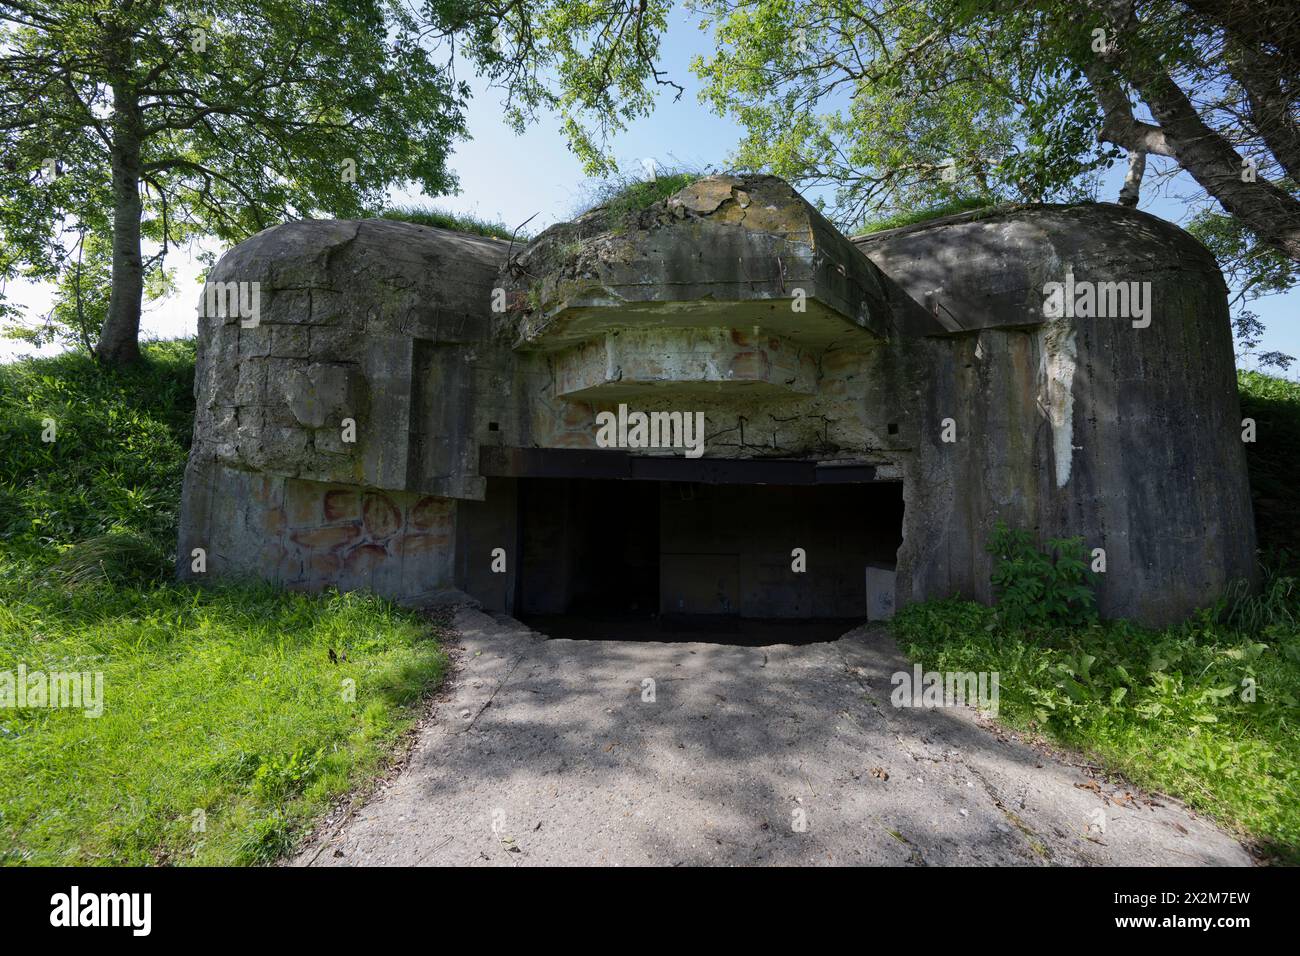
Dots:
{"x": 510, "y": 178}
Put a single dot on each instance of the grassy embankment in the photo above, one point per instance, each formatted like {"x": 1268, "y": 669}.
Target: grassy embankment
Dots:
{"x": 225, "y": 728}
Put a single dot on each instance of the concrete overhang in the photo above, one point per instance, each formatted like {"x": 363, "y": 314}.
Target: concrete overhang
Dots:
{"x": 723, "y": 253}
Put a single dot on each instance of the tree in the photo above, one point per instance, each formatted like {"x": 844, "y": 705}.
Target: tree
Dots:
{"x": 594, "y": 63}
{"x": 1223, "y": 92}
{"x": 899, "y": 101}
{"x": 127, "y": 120}
{"x": 163, "y": 120}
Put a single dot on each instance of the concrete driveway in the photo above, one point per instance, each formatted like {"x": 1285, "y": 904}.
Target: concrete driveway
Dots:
{"x": 544, "y": 752}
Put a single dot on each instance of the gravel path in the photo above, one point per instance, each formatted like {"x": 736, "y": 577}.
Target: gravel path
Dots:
{"x": 544, "y": 752}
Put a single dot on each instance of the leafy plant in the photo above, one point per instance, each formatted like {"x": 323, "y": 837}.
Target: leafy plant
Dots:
{"x": 1207, "y": 711}
{"x": 280, "y": 775}
{"x": 1041, "y": 587}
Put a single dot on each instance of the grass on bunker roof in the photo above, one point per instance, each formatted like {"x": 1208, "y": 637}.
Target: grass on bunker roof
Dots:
{"x": 913, "y": 216}
{"x": 226, "y": 731}
{"x": 625, "y": 195}
{"x": 425, "y": 215}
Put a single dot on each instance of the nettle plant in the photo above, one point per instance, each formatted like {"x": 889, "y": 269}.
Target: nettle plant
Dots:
{"x": 1041, "y": 587}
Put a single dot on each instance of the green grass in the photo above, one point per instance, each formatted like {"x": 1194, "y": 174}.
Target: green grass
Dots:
{"x": 218, "y": 700}
{"x": 1162, "y": 708}
{"x": 441, "y": 219}
{"x": 118, "y": 456}
{"x": 911, "y": 218}
{"x": 222, "y": 701}
{"x": 625, "y": 196}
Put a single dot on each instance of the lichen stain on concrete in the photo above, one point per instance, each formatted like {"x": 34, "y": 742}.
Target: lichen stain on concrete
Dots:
{"x": 1058, "y": 351}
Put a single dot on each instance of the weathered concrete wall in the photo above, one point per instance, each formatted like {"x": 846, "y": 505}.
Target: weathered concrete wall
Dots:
{"x": 847, "y": 415}
{"x": 374, "y": 321}
{"x": 310, "y": 535}
{"x": 955, "y": 492}
{"x": 737, "y": 249}
{"x": 1087, "y": 425}
{"x": 734, "y": 298}
{"x": 365, "y": 330}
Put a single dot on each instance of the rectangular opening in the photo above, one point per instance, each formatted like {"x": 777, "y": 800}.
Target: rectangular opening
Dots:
{"x": 690, "y": 555}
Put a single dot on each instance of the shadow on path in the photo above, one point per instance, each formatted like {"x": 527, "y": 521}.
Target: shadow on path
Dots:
{"x": 558, "y": 751}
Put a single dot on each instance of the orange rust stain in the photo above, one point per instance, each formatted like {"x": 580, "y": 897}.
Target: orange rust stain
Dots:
{"x": 380, "y": 516}
{"x": 303, "y": 503}
{"x": 341, "y": 505}
{"x": 750, "y": 364}
{"x": 273, "y": 520}
{"x": 578, "y": 415}
{"x": 326, "y": 539}
{"x": 430, "y": 512}
{"x": 364, "y": 558}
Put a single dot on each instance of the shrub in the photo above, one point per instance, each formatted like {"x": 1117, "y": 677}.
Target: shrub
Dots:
{"x": 1041, "y": 588}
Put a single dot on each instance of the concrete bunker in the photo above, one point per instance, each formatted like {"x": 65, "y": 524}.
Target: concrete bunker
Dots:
{"x": 418, "y": 412}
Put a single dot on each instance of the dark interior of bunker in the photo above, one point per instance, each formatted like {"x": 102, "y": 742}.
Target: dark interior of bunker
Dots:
{"x": 674, "y": 560}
